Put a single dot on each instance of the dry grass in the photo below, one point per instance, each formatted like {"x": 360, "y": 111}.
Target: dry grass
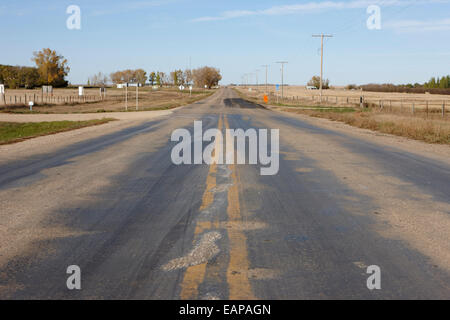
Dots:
{"x": 428, "y": 130}
{"x": 148, "y": 100}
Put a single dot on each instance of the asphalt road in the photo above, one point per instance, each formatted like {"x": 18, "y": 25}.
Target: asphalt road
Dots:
{"x": 141, "y": 227}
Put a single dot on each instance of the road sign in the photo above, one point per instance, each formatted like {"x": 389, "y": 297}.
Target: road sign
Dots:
{"x": 266, "y": 98}
{"x": 31, "y": 104}
{"x": 277, "y": 87}
{"x": 80, "y": 91}
{"x": 181, "y": 88}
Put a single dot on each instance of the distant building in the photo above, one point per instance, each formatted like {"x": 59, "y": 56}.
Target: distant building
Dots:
{"x": 123, "y": 85}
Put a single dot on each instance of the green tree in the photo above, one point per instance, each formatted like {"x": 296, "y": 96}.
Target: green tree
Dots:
{"x": 152, "y": 78}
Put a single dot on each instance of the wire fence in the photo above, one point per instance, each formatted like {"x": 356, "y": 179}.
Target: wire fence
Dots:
{"x": 404, "y": 106}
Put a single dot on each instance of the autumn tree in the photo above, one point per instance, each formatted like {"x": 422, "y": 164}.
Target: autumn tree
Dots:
{"x": 177, "y": 77}
{"x": 174, "y": 77}
{"x": 98, "y": 80}
{"x": 52, "y": 67}
{"x": 206, "y": 76}
{"x": 140, "y": 76}
{"x": 163, "y": 78}
{"x": 116, "y": 77}
{"x": 315, "y": 82}
{"x": 188, "y": 78}
{"x": 19, "y": 77}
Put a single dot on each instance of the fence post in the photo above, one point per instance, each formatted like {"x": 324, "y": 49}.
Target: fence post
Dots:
{"x": 427, "y": 108}
{"x": 413, "y": 108}
{"x": 443, "y": 109}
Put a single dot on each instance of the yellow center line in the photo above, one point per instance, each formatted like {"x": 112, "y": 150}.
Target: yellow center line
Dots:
{"x": 237, "y": 272}
{"x": 194, "y": 275}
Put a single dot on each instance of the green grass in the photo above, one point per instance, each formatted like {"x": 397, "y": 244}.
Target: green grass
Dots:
{"x": 11, "y": 132}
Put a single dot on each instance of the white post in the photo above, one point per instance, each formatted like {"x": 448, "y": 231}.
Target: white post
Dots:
{"x": 126, "y": 97}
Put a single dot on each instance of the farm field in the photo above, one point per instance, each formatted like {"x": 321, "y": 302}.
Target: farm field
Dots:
{"x": 343, "y": 97}
{"x": 67, "y": 100}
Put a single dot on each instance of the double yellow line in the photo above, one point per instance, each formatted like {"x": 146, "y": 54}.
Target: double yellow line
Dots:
{"x": 237, "y": 272}
{"x": 238, "y": 266}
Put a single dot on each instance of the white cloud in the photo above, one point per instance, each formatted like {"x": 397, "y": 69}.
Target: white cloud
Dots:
{"x": 316, "y": 6}
{"x": 418, "y": 25}
{"x": 131, "y": 6}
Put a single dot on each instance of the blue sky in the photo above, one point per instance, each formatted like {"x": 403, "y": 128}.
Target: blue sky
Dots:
{"x": 237, "y": 37}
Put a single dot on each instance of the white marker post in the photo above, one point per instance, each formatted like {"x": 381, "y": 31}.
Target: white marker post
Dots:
{"x": 2, "y": 93}
{"x": 190, "y": 91}
{"x": 31, "y": 104}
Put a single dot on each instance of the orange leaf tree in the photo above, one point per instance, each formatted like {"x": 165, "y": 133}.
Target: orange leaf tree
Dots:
{"x": 52, "y": 67}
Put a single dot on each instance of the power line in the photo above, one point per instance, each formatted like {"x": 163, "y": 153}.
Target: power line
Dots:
{"x": 267, "y": 67}
{"x": 282, "y": 77}
{"x": 321, "y": 36}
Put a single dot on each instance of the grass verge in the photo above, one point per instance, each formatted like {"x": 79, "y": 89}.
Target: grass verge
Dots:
{"x": 11, "y": 132}
{"x": 428, "y": 130}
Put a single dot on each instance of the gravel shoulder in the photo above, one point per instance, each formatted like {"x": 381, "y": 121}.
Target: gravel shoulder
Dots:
{"x": 142, "y": 115}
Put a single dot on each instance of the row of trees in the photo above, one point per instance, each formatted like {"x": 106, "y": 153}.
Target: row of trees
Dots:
{"x": 129, "y": 76}
{"x": 51, "y": 69}
{"x": 442, "y": 83}
{"x": 417, "y": 88}
{"x": 14, "y": 77}
{"x": 205, "y": 76}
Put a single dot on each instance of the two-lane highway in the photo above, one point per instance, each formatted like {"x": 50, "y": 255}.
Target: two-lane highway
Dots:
{"x": 139, "y": 226}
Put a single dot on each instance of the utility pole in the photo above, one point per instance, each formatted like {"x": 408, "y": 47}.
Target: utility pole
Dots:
{"x": 321, "y": 36}
{"x": 282, "y": 78}
{"x": 266, "y": 66}
{"x": 257, "y": 83}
